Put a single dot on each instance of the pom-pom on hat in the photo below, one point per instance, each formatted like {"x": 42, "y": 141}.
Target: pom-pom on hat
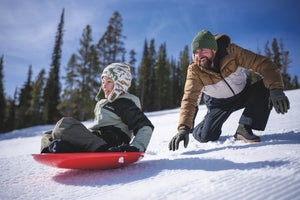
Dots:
{"x": 121, "y": 75}
{"x": 204, "y": 40}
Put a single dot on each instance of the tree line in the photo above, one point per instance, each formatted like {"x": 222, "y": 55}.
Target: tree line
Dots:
{"x": 158, "y": 80}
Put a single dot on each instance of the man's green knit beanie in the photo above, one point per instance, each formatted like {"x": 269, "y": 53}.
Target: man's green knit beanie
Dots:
{"x": 204, "y": 39}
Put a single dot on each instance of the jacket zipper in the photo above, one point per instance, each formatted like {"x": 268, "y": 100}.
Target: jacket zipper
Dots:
{"x": 224, "y": 81}
{"x": 227, "y": 84}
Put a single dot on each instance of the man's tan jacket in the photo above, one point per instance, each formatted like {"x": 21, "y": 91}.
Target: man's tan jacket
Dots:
{"x": 230, "y": 81}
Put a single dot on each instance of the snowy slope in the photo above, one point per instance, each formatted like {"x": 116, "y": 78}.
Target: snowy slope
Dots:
{"x": 226, "y": 169}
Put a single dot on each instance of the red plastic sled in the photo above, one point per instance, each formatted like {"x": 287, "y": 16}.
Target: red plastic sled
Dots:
{"x": 88, "y": 160}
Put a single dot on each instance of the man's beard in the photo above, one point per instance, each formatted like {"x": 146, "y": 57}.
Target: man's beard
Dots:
{"x": 206, "y": 64}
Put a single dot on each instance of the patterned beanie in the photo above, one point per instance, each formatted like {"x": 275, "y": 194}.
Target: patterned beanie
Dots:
{"x": 121, "y": 75}
{"x": 204, "y": 39}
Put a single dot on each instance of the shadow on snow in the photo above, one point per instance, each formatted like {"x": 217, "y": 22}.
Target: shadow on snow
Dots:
{"x": 150, "y": 168}
{"x": 147, "y": 169}
{"x": 266, "y": 140}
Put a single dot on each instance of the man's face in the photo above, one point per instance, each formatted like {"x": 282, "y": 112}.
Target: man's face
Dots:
{"x": 205, "y": 57}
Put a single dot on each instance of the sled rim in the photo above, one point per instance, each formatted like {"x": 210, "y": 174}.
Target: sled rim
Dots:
{"x": 106, "y": 160}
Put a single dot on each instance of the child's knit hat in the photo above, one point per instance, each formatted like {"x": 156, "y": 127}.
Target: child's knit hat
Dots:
{"x": 121, "y": 75}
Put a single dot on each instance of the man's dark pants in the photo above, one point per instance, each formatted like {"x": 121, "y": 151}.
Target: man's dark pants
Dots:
{"x": 254, "y": 98}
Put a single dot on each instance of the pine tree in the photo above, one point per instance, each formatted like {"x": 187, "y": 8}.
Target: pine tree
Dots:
{"x": 86, "y": 73}
{"x": 281, "y": 58}
{"x": 2, "y": 98}
{"x": 267, "y": 50}
{"x": 68, "y": 104}
{"x": 94, "y": 65}
{"x": 111, "y": 46}
{"x": 132, "y": 61}
{"x": 284, "y": 57}
{"x": 162, "y": 79}
{"x": 276, "y": 53}
{"x": 144, "y": 74}
{"x": 295, "y": 83}
{"x": 11, "y": 113}
{"x": 151, "y": 89}
{"x": 147, "y": 76}
{"x": 175, "y": 83}
{"x": 23, "y": 115}
{"x": 82, "y": 80}
{"x": 36, "y": 107}
{"x": 117, "y": 37}
{"x": 184, "y": 61}
{"x": 52, "y": 89}
{"x": 285, "y": 61}
{"x": 287, "y": 81}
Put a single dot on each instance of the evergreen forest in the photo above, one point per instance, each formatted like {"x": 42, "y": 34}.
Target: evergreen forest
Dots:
{"x": 158, "y": 80}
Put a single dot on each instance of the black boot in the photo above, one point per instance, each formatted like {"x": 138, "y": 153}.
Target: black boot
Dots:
{"x": 245, "y": 133}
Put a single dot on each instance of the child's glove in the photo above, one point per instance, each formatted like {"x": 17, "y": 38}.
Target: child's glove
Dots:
{"x": 123, "y": 148}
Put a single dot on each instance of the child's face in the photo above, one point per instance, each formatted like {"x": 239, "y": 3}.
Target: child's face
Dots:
{"x": 107, "y": 85}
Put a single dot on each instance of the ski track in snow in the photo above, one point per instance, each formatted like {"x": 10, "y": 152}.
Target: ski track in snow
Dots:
{"x": 225, "y": 169}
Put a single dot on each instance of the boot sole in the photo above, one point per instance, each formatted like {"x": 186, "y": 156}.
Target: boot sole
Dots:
{"x": 239, "y": 137}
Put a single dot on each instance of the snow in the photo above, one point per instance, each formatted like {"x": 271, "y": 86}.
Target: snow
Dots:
{"x": 225, "y": 169}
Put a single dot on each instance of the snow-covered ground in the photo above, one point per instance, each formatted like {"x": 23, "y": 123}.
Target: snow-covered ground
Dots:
{"x": 226, "y": 169}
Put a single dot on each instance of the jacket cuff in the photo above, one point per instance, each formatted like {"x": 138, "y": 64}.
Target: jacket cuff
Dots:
{"x": 181, "y": 126}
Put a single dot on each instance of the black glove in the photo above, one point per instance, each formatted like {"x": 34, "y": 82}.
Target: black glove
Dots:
{"x": 280, "y": 101}
{"x": 123, "y": 148}
{"x": 182, "y": 134}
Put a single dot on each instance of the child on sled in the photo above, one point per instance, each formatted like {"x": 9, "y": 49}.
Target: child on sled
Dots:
{"x": 119, "y": 125}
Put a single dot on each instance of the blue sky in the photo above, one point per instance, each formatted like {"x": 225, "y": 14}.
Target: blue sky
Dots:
{"x": 27, "y": 28}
